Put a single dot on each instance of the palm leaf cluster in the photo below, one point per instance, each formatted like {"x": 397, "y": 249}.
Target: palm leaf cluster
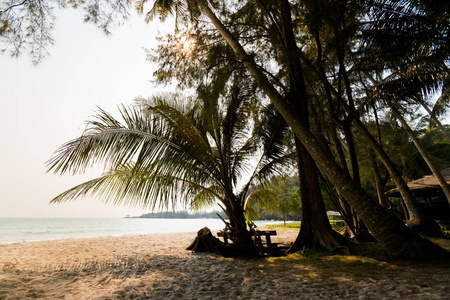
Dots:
{"x": 167, "y": 151}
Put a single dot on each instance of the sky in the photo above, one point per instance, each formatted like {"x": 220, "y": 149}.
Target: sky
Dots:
{"x": 44, "y": 106}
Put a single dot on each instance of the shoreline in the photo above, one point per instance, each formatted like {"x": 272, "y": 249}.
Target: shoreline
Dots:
{"x": 33, "y": 230}
{"x": 88, "y": 237}
{"x": 35, "y": 254}
{"x": 157, "y": 266}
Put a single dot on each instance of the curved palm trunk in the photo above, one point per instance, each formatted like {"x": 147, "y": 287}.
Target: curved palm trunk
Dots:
{"x": 360, "y": 230}
{"x": 435, "y": 119}
{"x": 436, "y": 172}
{"x": 416, "y": 217}
{"x": 346, "y": 209}
{"x": 379, "y": 182}
{"x": 392, "y": 234}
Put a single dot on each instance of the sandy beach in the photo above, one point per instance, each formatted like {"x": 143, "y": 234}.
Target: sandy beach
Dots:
{"x": 157, "y": 266}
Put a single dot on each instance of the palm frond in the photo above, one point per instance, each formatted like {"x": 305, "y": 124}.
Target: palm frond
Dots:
{"x": 206, "y": 198}
{"x": 442, "y": 104}
{"x": 118, "y": 186}
{"x": 145, "y": 137}
{"x": 251, "y": 214}
{"x": 123, "y": 186}
{"x": 264, "y": 198}
{"x": 271, "y": 133}
{"x": 161, "y": 8}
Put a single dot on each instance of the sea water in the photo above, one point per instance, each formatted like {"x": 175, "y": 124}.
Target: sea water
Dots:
{"x": 13, "y": 230}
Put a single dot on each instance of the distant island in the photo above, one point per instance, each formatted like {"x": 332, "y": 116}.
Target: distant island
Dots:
{"x": 181, "y": 215}
{"x": 207, "y": 215}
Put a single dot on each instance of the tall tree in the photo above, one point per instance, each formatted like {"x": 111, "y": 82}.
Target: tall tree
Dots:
{"x": 315, "y": 225}
{"x": 348, "y": 82}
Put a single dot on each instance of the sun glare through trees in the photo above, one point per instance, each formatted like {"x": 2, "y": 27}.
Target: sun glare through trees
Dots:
{"x": 185, "y": 44}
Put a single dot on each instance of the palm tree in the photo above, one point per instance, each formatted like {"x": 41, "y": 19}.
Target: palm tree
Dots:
{"x": 168, "y": 151}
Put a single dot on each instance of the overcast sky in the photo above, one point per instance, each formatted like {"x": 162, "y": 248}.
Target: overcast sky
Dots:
{"x": 42, "y": 107}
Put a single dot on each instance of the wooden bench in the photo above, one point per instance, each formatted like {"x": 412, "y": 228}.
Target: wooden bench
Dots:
{"x": 224, "y": 235}
{"x": 267, "y": 234}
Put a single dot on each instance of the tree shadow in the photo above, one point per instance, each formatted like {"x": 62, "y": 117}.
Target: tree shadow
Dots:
{"x": 208, "y": 276}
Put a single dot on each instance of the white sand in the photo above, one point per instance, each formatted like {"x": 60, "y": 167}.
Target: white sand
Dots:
{"x": 157, "y": 266}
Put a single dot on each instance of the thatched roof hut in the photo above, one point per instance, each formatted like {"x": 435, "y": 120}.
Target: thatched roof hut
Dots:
{"x": 426, "y": 186}
{"x": 429, "y": 195}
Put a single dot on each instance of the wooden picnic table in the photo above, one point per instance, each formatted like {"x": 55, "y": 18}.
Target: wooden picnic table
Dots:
{"x": 258, "y": 234}
{"x": 262, "y": 240}
{"x": 267, "y": 234}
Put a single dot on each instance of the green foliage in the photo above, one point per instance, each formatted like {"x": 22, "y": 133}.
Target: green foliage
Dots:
{"x": 282, "y": 226}
{"x": 285, "y": 203}
{"x": 168, "y": 151}
{"x": 27, "y": 25}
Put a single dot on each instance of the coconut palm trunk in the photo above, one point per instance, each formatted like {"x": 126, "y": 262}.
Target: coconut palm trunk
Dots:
{"x": 416, "y": 217}
{"x": 379, "y": 182}
{"x": 434, "y": 169}
{"x": 239, "y": 228}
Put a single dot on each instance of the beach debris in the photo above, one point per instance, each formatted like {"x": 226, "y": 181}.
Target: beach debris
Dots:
{"x": 9, "y": 266}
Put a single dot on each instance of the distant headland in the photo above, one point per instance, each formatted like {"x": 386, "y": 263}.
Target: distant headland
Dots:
{"x": 181, "y": 215}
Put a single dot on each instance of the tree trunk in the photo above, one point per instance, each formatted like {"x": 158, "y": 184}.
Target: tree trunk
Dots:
{"x": 379, "y": 183}
{"x": 392, "y": 234}
{"x": 238, "y": 226}
{"x": 349, "y": 228}
{"x": 360, "y": 230}
{"x": 315, "y": 226}
{"x": 315, "y": 230}
{"x": 436, "y": 172}
{"x": 417, "y": 220}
